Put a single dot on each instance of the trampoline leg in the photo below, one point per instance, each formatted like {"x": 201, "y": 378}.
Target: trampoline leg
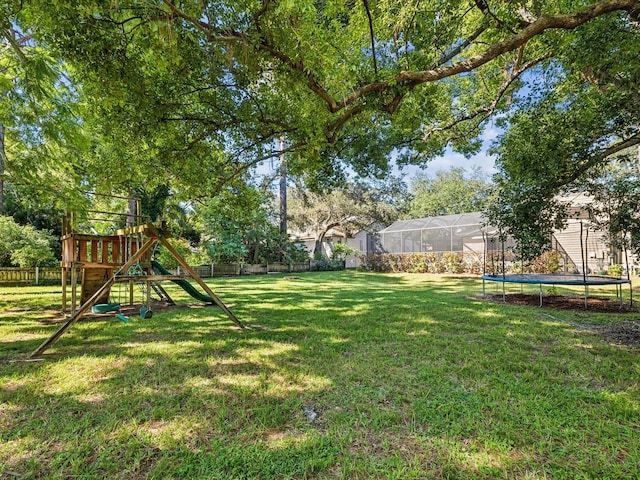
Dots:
{"x": 586, "y": 294}
{"x": 540, "y": 295}
{"x": 483, "y": 292}
{"x": 504, "y": 296}
{"x": 621, "y": 296}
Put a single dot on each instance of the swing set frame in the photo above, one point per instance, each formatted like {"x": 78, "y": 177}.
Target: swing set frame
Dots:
{"x": 112, "y": 256}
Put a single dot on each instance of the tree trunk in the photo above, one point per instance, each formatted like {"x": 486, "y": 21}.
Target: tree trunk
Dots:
{"x": 132, "y": 211}
{"x": 283, "y": 194}
{"x": 2, "y": 167}
{"x": 317, "y": 249}
{"x": 256, "y": 253}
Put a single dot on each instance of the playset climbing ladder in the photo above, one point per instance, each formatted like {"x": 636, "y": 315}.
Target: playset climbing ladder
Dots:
{"x": 104, "y": 260}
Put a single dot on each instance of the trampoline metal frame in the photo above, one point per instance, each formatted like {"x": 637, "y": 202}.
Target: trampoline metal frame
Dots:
{"x": 554, "y": 279}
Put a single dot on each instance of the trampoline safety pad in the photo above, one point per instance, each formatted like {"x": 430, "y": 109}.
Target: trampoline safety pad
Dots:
{"x": 559, "y": 279}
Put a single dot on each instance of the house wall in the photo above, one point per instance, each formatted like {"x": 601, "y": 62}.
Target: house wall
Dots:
{"x": 360, "y": 242}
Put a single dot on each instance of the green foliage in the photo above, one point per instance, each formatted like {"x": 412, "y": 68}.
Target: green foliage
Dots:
{"x": 40, "y": 151}
{"x": 439, "y": 263}
{"x": 616, "y": 196}
{"x": 340, "y": 250}
{"x": 583, "y": 115}
{"x": 527, "y": 213}
{"x": 353, "y": 207}
{"x": 192, "y": 94}
{"x": 238, "y": 226}
{"x": 410, "y": 377}
{"x": 186, "y": 251}
{"x": 615, "y": 270}
{"x": 322, "y": 264}
{"x": 24, "y": 246}
{"x": 453, "y": 191}
{"x": 548, "y": 262}
{"x": 295, "y": 252}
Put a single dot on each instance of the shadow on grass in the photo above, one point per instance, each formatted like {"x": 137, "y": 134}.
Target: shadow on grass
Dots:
{"x": 340, "y": 375}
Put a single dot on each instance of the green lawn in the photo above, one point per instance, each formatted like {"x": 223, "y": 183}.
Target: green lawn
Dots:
{"x": 340, "y": 375}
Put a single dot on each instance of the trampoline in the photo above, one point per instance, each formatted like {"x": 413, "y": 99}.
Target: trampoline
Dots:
{"x": 560, "y": 279}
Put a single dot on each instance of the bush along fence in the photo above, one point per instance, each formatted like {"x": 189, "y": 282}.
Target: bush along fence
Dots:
{"x": 446, "y": 262}
{"x": 457, "y": 263}
{"x": 52, "y": 276}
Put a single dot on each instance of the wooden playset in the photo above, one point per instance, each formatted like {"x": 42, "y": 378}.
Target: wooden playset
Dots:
{"x": 124, "y": 257}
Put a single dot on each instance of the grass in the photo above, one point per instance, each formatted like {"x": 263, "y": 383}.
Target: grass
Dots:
{"x": 341, "y": 375}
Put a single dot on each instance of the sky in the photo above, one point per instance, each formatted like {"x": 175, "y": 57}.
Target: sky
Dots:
{"x": 452, "y": 159}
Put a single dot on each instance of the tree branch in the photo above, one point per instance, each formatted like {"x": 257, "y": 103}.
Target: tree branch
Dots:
{"x": 373, "y": 38}
{"x": 15, "y": 43}
{"x": 456, "y": 51}
{"x": 597, "y": 159}
{"x": 542, "y": 24}
{"x": 491, "y": 108}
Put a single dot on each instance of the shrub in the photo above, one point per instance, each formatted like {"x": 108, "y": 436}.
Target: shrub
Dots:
{"x": 615, "y": 270}
{"x": 548, "y": 262}
{"x": 24, "y": 246}
{"x": 186, "y": 251}
{"x": 341, "y": 250}
{"x": 448, "y": 262}
{"x": 323, "y": 263}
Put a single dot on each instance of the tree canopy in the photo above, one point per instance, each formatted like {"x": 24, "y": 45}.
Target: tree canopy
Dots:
{"x": 194, "y": 93}
{"x": 40, "y": 138}
{"x": 354, "y": 207}
{"x": 583, "y": 115}
{"x": 450, "y": 192}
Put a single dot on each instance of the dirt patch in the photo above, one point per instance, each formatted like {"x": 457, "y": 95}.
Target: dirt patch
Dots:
{"x": 623, "y": 333}
{"x": 565, "y": 302}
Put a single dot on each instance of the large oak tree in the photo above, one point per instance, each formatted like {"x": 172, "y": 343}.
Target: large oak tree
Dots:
{"x": 194, "y": 93}
{"x": 583, "y": 115}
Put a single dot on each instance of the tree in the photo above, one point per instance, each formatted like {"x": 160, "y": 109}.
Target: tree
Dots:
{"x": 616, "y": 194}
{"x": 240, "y": 225}
{"x": 526, "y": 214}
{"x": 453, "y": 191}
{"x": 586, "y": 110}
{"x": 192, "y": 94}
{"x": 39, "y": 130}
{"x": 24, "y": 246}
{"x": 357, "y": 206}
{"x": 583, "y": 114}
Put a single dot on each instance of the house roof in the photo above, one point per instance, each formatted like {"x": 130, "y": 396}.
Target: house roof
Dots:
{"x": 458, "y": 220}
{"x": 335, "y": 232}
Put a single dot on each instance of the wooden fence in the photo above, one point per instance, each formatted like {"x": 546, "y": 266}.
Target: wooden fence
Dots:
{"x": 49, "y": 276}
{"x": 30, "y": 276}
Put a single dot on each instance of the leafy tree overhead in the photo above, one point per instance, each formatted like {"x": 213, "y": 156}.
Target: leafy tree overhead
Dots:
{"x": 453, "y": 191}
{"x": 584, "y": 114}
{"x": 193, "y": 93}
{"x": 40, "y": 133}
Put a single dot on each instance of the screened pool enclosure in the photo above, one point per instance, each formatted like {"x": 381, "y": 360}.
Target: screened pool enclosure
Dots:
{"x": 580, "y": 246}
{"x": 461, "y": 233}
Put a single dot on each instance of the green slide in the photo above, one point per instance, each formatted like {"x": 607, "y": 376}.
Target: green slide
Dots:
{"x": 185, "y": 285}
